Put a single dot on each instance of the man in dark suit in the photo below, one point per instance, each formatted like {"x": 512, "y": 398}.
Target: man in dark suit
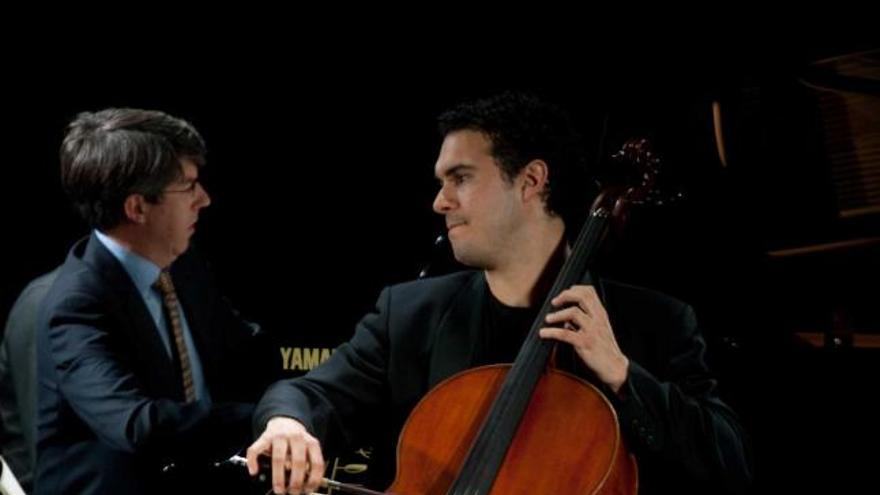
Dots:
{"x": 512, "y": 180}
{"x": 138, "y": 355}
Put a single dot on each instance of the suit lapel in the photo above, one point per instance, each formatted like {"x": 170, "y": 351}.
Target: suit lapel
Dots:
{"x": 459, "y": 339}
{"x": 142, "y": 330}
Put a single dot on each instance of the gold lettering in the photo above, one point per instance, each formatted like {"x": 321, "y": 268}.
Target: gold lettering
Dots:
{"x": 297, "y": 361}
{"x": 304, "y": 358}
{"x": 310, "y": 358}
{"x": 285, "y": 357}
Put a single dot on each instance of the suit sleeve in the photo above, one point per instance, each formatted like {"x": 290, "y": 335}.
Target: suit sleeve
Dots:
{"x": 680, "y": 420}
{"x": 101, "y": 388}
{"x": 329, "y": 398}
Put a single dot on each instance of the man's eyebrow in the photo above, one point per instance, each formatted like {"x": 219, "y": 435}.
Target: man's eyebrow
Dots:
{"x": 456, "y": 169}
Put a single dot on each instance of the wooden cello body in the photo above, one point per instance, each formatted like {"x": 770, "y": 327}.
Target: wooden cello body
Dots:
{"x": 568, "y": 441}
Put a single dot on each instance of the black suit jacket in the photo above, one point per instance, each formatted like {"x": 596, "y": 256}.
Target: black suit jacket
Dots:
{"x": 685, "y": 438}
{"x": 111, "y": 413}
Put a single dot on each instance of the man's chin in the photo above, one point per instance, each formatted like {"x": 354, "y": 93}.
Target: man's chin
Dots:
{"x": 181, "y": 248}
{"x": 467, "y": 258}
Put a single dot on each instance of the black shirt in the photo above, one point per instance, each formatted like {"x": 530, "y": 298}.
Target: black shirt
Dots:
{"x": 506, "y": 329}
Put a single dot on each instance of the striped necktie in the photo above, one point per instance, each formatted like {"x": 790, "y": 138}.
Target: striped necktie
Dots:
{"x": 172, "y": 313}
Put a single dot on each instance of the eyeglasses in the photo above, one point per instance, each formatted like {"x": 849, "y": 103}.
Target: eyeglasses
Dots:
{"x": 190, "y": 187}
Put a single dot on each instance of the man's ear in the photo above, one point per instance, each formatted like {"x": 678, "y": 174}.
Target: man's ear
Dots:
{"x": 136, "y": 207}
{"x": 535, "y": 176}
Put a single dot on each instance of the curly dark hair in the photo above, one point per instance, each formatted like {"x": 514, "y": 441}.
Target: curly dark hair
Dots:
{"x": 522, "y": 128}
{"x": 110, "y": 154}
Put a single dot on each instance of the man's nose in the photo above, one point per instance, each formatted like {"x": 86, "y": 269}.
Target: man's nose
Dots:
{"x": 442, "y": 203}
{"x": 203, "y": 198}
